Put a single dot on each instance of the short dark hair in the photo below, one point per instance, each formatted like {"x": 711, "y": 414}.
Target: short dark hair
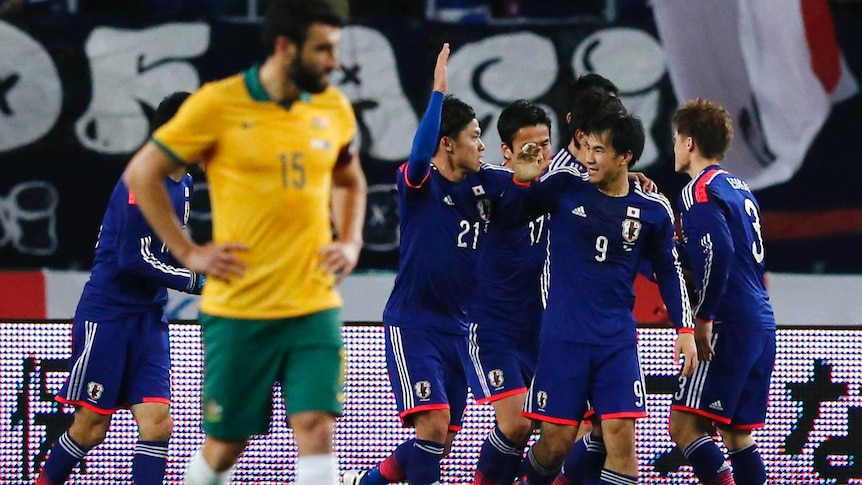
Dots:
{"x": 624, "y": 132}
{"x": 587, "y": 104}
{"x": 517, "y": 115}
{"x": 588, "y": 81}
{"x": 455, "y": 117}
{"x": 708, "y": 124}
{"x": 292, "y": 18}
{"x": 167, "y": 108}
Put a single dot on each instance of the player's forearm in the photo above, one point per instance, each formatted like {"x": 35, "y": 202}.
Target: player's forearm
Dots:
{"x": 711, "y": 270}
{"x": 349, "y": 198}
{"x": 425, "y": 141}
{"x": 673, "y": 291}
{"x": 348, "y": 208}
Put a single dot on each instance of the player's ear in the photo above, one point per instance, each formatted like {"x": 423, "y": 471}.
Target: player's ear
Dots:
{"x": 627, "y": 157}
{"x": 286, "y": 48}
{"x": 508, "y": 154}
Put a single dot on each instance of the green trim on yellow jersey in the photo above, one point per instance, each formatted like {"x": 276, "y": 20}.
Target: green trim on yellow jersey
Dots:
{"x": 167, "y": 151}
{"x": 257, "y": 93}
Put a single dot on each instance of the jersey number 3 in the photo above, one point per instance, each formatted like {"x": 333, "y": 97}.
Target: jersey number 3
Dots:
{"x": 756, "y": 246}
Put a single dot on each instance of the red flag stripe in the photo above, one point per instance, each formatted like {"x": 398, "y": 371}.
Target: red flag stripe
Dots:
{"x": 822, "y": 43}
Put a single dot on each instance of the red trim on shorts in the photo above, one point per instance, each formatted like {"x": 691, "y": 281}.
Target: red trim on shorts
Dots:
{"x": 162, "y": 400}
{"x": 419, "y": 409}
{"x": 700, "y": 412}
{"x": 626, "y": 415}
{"x": 549, "y": 419}
{"x": 589, "y": 414}
{"x": 497, "y": 397}
{"x": 454, "y": 428}
{"x": 84, "y": 404}
{"x": 744, "y": 427}
{"x": 403, "y": 169}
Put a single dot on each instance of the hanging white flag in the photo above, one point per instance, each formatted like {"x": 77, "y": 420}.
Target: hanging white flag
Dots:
{"x": 774, "y": 64}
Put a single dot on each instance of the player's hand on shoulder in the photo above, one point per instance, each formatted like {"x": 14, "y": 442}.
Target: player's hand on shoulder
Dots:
{"x": 686, "y": 348}
{"x": 441, "y": 81}
{"x": 646, "y": 183}
{"x": 529, "y": 163}
{"x": 219, "y": 261}
{"x": 339, "y": 258}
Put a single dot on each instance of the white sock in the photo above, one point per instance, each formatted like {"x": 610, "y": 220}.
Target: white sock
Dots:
{"x": 198, "y": 472}
{"x": 317, "y": 470}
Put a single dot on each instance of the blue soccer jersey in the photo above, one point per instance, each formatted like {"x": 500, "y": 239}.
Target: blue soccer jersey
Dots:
{"x": 132, "y": 266}
{"x": 596, "y": 245}
{"x": 723, "y": 246}
{"x": 510, "y": 260}
{"x": 440, "y": 230}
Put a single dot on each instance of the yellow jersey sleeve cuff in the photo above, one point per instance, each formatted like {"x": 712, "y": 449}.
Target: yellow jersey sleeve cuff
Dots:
{"x": 167, "y": 151}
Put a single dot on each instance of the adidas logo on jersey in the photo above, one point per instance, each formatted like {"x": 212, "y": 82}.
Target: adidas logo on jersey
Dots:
{"x": 448, "y": 200}
{"x": 579, "y": 211}
{"x": 717, "y": 406}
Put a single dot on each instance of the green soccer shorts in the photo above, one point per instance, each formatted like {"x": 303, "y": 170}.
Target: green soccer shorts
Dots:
{"x": 243, "y": 359}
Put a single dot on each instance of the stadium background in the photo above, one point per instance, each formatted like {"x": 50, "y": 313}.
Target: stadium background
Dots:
{"x": 74, "y": 95}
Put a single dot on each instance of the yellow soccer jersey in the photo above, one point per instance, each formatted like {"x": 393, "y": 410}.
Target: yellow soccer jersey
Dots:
{"x": 269, "y": 169}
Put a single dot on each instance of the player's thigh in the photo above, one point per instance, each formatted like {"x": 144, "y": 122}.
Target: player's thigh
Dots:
{"x": 558, "y": 393}
{"x": 242, "y": 362}
{"x": 750, "y": 410}
{"x": 313, "y": 375}
{"x": 417, "y": 362}
{"x": 99, "y": 357}
{"x": 455, "y": 350}
{"x": 500, "y": 365}
{"x": 147, "y": 378}
{"x": 715, "y": 388}
{"x": 617, "y": 388}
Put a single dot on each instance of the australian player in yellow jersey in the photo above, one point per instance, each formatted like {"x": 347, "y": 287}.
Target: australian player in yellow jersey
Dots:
{"x": 275, "y": 141}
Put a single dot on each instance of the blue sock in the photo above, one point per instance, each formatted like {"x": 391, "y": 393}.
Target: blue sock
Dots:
{"x": 498, "y": 460}
{"x": 585, "y": 459}
{"x": 748, "y": 467}
{"x": 535, "y": 473}
{"x": 65, "y": 454}
{"x": 708, "y": 462}
{"x": 148, "y": 465}
{"x": 424, "y": 466}
{"x": 574, "y": 468}
{"x": 607, "y": 477}
{"x": 596, "y": 455}
{"x": 393, "y": 469}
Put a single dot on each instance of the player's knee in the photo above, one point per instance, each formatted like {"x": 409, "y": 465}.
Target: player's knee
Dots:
{"x": 313, "y": 431}
{"x": 619, "y": 436}
{"x": 156, "y": 428}
{"x": 736, "y": 439}
{"x": 518, "y": 431}
{"x": 684, "y": 428}
{"x": 89, "y": 429}
{"x": 432, "y": 425}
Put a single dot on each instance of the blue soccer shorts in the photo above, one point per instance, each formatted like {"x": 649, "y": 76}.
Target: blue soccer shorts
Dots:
{"x": 118, "y": 360}
{"x": 427, "y": 371}
{"x": 733, "y": 388}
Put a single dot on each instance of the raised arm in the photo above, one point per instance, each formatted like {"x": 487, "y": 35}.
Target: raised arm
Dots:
{"x": 425, "y": 141}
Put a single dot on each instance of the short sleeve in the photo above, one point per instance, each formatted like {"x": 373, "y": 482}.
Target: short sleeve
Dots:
{"x": 193, "y": 130}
